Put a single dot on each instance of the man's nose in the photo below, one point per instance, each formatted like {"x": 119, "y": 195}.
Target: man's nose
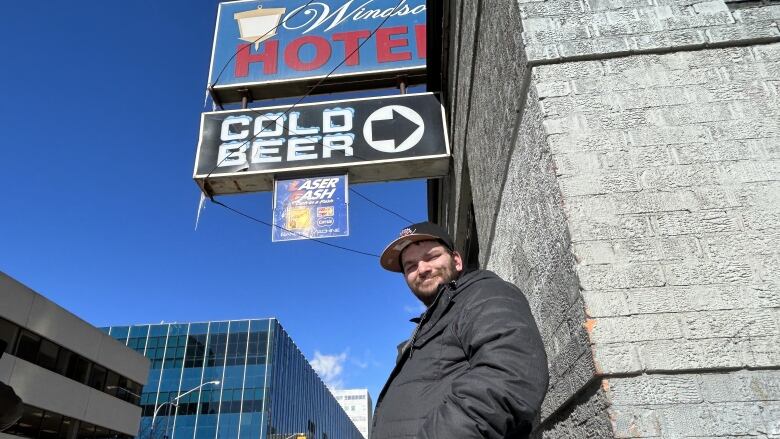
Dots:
{"x": 423, "y": 268}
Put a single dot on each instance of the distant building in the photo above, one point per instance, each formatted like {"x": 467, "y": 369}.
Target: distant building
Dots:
{"x": 245, "y": 357}
{"x": 75, "y": 381}
{"x": 357, "y": 404}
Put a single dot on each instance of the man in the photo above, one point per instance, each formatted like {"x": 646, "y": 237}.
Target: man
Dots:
{"x": 475, "y": 366}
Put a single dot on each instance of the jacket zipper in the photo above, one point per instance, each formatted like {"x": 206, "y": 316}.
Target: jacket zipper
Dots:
{"x": 452, "y": 285}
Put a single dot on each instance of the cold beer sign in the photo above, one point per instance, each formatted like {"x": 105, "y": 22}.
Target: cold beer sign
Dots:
{"x": 373, "y": 139}
{"x": 293, "y": 44}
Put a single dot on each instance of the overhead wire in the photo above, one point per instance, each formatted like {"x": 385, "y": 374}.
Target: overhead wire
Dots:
{"x": 246, "y": 215}
{"x": 284, "y": 114}
{"x": 380, "y": 206}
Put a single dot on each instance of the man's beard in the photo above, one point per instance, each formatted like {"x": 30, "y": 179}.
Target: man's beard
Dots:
{"x": 426, "y": 289}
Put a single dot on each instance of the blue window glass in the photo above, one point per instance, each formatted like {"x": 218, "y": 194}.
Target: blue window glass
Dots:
{"x": 158, "y": 330}
{"x": 264, "y": 381}
{"x": 139, "y": 331}
{"x": 119, "y": 332}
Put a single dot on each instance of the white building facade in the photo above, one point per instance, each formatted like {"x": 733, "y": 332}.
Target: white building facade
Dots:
{"x": 357, "y": 404}
{"x": 75, "y": 380}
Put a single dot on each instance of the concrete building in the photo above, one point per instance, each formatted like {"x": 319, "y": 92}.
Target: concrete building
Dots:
{"x": 357, "y": 404}
{"x": 75, "y": 381}
{"x": 618, "y": 161}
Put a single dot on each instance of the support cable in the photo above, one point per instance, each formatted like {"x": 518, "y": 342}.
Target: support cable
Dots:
{"x": 252, "y": 218}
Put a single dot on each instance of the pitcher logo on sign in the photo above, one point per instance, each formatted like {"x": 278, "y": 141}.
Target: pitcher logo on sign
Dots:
{"x": 258, "y": 25}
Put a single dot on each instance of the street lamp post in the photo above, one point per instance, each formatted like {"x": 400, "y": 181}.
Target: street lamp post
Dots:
{"x": 174, "y": 402}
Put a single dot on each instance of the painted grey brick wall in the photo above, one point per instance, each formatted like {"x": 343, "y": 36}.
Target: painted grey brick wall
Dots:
{"x": 623, "y": 163}
{"x": 531, "y": 249}
{"x": 739, "y": 404}
{"x": 661, "y": 201}
{"x": 461, "y": 63}
{"x": 668, "y": 168}
{"x": 586, "y": 416}
{"x": 583, "y": 28}
{"x": 495, "y": 92}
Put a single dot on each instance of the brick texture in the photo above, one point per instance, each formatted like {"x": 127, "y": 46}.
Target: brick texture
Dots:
{"x": 586, "y": 417}
{"x": 744, "y": 404}
{"x": 668, "y": 170}
{"x": 674, "y": 223}
{"x": 532, "y": 251}
{"x": 555, "y": 29}
{"x": 622, "y": 158}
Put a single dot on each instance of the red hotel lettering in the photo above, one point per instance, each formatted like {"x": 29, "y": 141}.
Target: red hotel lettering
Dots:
{"x": 267, "y": 57}
{"x": 385, "y": 45}
{"x": 321, "y": 53}
{"x": 351, "y": 43}
{"x": 420, "y": 36}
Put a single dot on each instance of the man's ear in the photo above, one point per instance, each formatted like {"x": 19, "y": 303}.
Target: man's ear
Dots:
{"x": 458, "y": 261}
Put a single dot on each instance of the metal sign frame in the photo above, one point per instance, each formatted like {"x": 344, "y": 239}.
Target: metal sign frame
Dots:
{"x": 295, "y": 86}
{"x": 426, "y": 166}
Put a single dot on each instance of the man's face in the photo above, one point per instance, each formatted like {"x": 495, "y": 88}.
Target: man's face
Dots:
{"x": 428, "y": 264}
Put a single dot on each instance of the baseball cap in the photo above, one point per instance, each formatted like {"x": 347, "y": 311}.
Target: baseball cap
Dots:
{"x": 425, "y": 231}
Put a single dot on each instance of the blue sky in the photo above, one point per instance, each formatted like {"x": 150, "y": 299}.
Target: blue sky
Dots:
{"x": 100, "y": 114}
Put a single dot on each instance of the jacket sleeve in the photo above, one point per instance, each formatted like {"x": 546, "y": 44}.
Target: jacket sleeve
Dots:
{"x": 502, "y": 390}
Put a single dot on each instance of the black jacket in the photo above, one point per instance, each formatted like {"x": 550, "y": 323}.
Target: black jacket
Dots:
{"x": 474, "y": 368}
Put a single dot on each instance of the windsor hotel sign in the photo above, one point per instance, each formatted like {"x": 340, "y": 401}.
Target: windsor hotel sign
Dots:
{"x": 283, "y": 47}
{"x": 375, "y": 139}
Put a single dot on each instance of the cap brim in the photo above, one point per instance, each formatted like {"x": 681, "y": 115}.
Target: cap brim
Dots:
{"x": 391, "y": 256}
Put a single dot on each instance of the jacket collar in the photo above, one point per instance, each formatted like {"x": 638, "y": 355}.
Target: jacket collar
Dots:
{"x": 455, "y": 287}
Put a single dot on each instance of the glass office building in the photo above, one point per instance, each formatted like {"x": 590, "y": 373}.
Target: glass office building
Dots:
{"x": 266, "y": 389}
